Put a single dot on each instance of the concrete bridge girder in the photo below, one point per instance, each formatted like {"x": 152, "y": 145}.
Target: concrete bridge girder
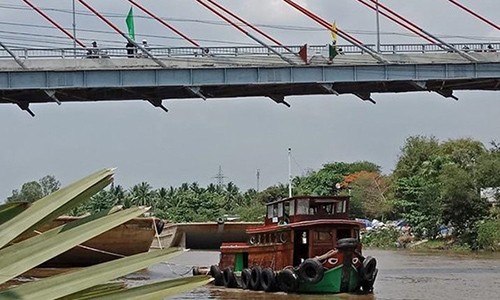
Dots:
{"x": 158, "y": 83}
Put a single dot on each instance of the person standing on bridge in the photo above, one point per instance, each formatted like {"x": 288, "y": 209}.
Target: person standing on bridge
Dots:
{"x": 131, "y": 50}
{"x": 94, "y": 51}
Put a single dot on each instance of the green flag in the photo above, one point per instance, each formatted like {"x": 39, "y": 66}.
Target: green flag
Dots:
{"x": 130, "y": 24}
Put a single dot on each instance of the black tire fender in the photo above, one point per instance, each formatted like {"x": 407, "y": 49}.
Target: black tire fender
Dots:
{"x": 268, "y": 280}
{"x": 255, "y": 278}
{"x": 288, "y": 281}
{"x": 369, "y": 268}
{"x": 246, "y": 275}
{"x": 311, "y": 271}
{"x": 159, "y": 224}
{"x": 347, "y": 243}
{"x": 217, "y": 275}
{"x": 229, "y": 278}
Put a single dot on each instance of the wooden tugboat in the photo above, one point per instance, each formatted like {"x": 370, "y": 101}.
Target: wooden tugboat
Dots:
{"x": 306, "y": 245}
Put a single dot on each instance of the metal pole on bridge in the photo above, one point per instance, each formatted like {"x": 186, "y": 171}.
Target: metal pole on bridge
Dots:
{"x": 378, "y": 28}
{"x": 74, "y": 29}
{"x": 144, "y": 50}
{"x": 246, "y": 32}
{"x": 67, "y": 33}
{"x": 449, "y": 46}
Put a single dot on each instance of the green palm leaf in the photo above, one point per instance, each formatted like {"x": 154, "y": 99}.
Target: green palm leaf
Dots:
{"x": 10, "y": 210}
{"x": 25, "y": 255}
{"x": 53, "y": 205}
{"x": 158, "y": 290}
{"x": 72, "y": 282}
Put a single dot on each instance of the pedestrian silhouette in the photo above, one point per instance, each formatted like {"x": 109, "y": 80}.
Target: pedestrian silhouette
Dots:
{"x": 131, "y": 50}
{"x": 94, "y": 51}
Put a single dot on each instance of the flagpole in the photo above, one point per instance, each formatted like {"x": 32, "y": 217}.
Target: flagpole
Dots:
{"x": 290, "y": 172}
{"x": 74, "y": 29}
{"x": 378, "y": 28}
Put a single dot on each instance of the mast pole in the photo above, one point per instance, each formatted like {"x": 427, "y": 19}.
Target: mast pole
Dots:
{"x": 378, "y": 28}
{"x": 289, "y": 172}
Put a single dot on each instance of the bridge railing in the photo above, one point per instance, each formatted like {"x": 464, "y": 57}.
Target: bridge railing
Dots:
{"x": 243, "y": 51}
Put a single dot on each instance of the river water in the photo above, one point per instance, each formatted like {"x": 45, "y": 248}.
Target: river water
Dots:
{"x": 402, "y": 275}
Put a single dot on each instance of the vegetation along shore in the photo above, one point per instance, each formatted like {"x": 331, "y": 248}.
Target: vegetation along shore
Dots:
{"x": 440, "y": 195}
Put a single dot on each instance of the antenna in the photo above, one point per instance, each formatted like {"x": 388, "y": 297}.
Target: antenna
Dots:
{"x": 289, "y": 172}
{"x": 258, "y": 179}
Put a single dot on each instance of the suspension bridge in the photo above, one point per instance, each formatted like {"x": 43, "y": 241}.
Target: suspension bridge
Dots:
{"x": 90, "y": 73}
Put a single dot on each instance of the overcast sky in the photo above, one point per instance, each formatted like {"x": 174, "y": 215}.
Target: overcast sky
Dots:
{"x": 242, "y": 135}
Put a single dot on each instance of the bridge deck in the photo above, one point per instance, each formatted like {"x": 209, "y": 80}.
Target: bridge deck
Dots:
{"x": 111, "y": 78}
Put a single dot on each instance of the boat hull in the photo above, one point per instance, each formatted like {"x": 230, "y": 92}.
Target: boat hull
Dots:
{"x": 332, "y": 282}
{"x": 132, "y": 237}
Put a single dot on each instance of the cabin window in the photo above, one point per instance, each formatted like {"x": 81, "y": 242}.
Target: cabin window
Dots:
{"x": 269, "y": 211}
{"x": 341, "y": 207}
{"x": 323, "y": 236}
{"x": 356, "y": 234}
{"x": 280, "y": 209}
{"x": 275, "y": 210}
{"x": 292, "y": 208}
{"x": 302, "y": 206}
{"x": 286, "y": 211}
{"x": 343, "y": 233}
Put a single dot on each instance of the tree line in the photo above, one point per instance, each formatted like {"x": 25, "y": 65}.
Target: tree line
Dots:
{"x": 434, "y": 183}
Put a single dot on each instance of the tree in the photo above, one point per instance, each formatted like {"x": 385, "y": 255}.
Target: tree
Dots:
{"x": 33, "y": 190}
{"x": 49, "y": 184}
{"x": 369, "y": 192}
{"x": 30, "y": 192}
{"x": 323, "y": 182}
{"x": 463, "y": 152}
{"x": 415, "y": 153}
{"x": 418, "y": 201}
{"x": 142, "y": 194}
{"x": 462, "y": 204}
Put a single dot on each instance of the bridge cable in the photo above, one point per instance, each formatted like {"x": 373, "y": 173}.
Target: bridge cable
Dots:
{"x": 143, "y": 49}
{"x": 251, "y": 26}
{"x": 144, "y": 9}
{"x": 246, "y": 32}
{"x": 38, "y": 10}
{"x": 401, "y": 23}
{"x": 470, "y": 11}
{"x": 338, "y": 31}
{"x": 451, "y": 47}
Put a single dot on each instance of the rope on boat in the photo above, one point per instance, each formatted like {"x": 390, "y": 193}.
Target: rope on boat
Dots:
{"x": 92, "y": 249}
{"x": 169, "y": 265}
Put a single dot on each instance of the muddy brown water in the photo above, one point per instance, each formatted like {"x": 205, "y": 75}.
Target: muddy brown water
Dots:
{"x": 402, "y": 275}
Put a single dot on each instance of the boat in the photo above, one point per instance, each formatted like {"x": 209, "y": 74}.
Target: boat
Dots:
{"x": 202, "y": 235}
{"x": 132, "y": 237}
{"x": 307, "y": 244}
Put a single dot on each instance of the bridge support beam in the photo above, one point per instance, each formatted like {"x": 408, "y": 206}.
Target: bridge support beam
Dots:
{"x": 158, "y": 103}
{"x": 329, "y": 88}
{"x": 447, "y": 94}
{"x": 365, "y": 96}
{"x": 196, "y": 90}
{"x": 52, "y": 94}
{"x": 280, "y": 99}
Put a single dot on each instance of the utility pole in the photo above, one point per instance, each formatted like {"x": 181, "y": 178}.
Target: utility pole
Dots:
{"x": 258, "y": 180}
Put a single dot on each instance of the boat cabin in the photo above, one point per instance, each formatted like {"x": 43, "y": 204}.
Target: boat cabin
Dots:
{"x": 297, "y": 209}
{"x": 294, "y": 229}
